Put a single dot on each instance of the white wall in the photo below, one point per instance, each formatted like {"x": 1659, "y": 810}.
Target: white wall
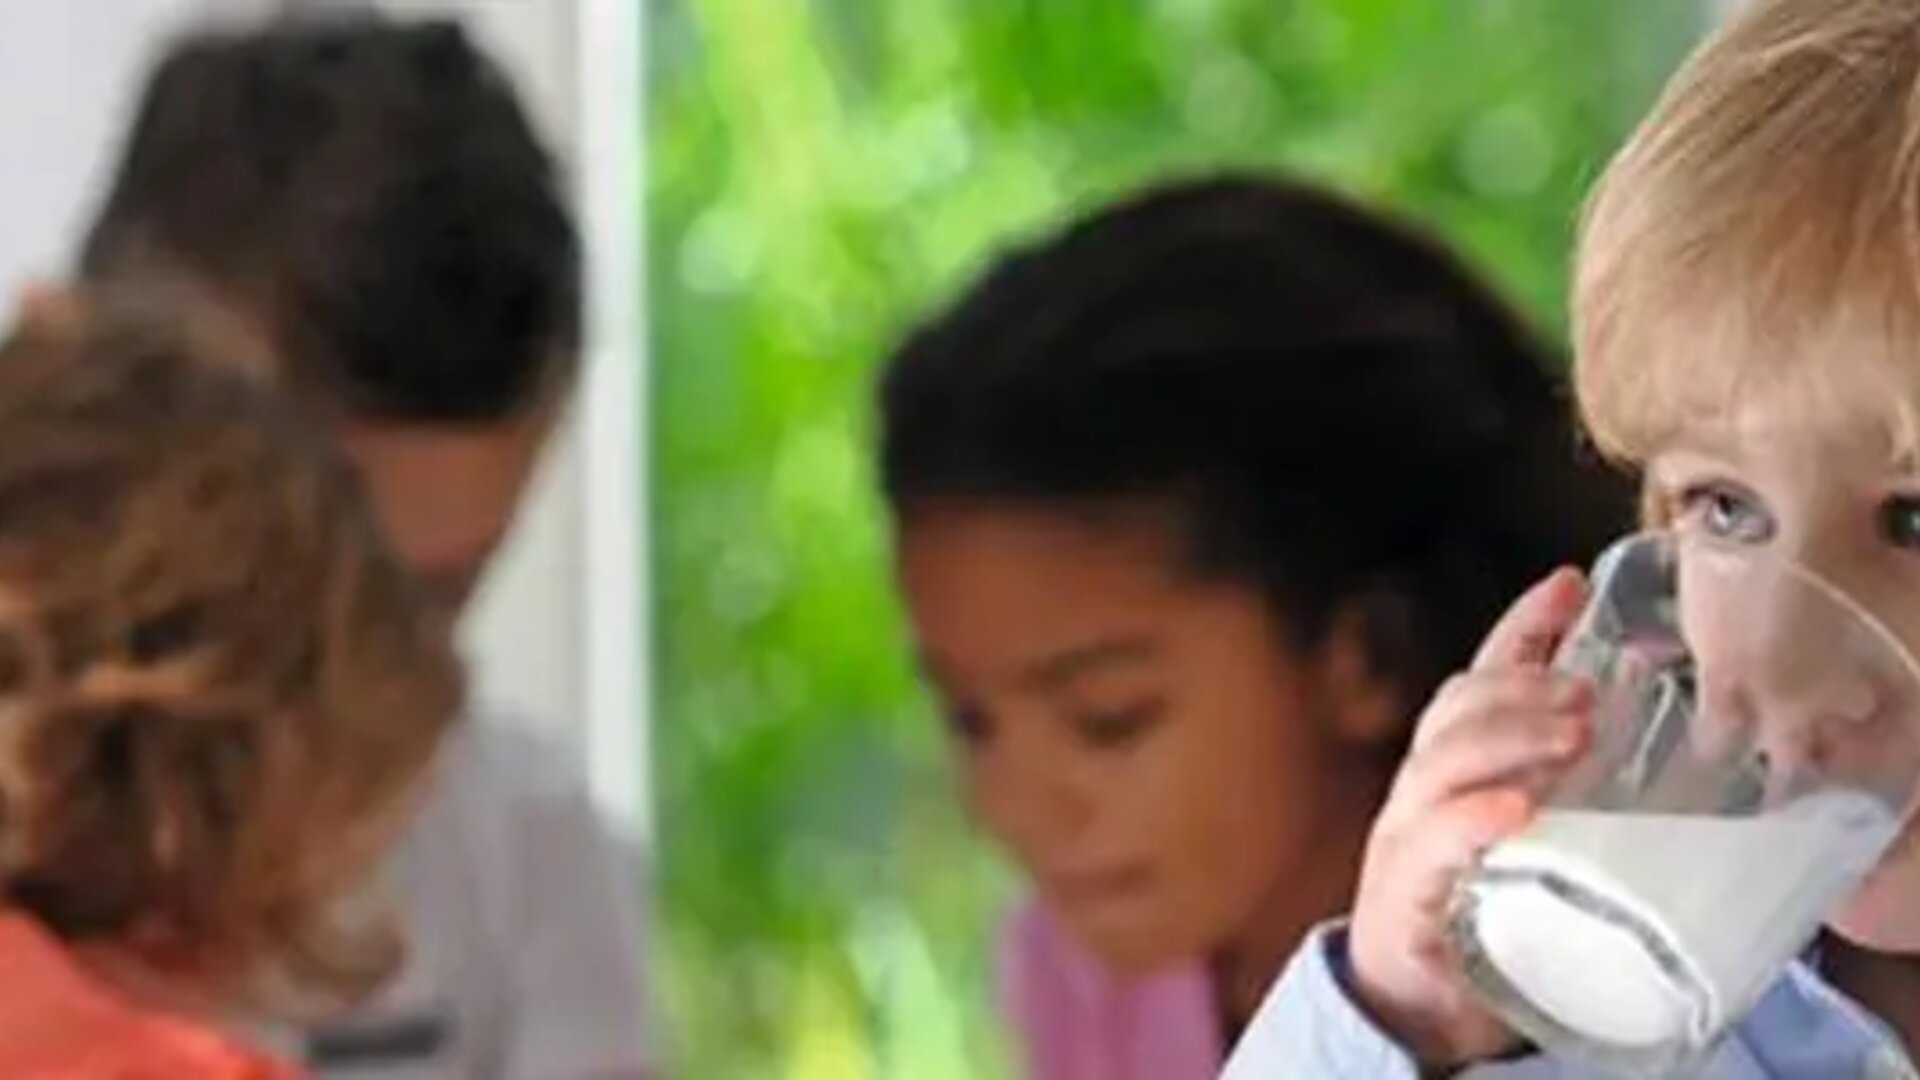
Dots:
{"x": 66, "y": 74}
{"x": 559, "y": 628}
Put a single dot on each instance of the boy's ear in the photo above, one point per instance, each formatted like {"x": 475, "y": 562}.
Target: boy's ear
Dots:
{"x": 1364, "y": 701}
{"x": 48, "y": 309}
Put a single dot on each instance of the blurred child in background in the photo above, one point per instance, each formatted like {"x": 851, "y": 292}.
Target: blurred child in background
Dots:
{"x": 366, "y": 200}
{"x": 219, "y": 697}
{"x": 1195, "y": 502}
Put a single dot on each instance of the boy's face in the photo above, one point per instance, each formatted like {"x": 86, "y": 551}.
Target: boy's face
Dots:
{"x": 445, "y": 494}
{"x": 1155, "y": 756}
{"x": 1787, "y": 655}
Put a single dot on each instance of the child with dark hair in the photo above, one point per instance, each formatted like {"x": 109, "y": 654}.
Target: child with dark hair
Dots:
{"x": 370, "y": 194}
{"x": 366, "y": 201}
{"x": 1195, "y": 502}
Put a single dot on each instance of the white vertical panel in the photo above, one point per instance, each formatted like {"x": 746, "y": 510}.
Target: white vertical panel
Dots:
{"x": 614, "y": 409}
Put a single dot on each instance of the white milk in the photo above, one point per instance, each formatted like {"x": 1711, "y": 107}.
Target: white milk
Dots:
{"x": 1675, "y": 923}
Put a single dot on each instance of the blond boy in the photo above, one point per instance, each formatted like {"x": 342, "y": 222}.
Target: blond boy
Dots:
{"x": 1747, "y": 307}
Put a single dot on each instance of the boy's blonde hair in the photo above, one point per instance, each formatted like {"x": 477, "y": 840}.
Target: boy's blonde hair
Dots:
{"x": 1759, "y": 235}
{"x": 216, "y": 687}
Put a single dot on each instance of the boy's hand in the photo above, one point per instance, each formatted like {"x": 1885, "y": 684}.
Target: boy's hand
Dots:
{"x": 1457, "y": 793}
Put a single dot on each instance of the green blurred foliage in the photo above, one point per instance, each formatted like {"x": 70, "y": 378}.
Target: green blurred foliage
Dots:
{"x": 821, "y": 171}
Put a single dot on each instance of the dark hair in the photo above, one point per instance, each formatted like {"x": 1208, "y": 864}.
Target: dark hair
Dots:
{"x": 1335, "y": 410}
{"x": 372, "y": 195}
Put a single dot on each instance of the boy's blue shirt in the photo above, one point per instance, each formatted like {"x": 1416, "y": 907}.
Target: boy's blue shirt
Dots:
{"x": 1802, "y": 1029}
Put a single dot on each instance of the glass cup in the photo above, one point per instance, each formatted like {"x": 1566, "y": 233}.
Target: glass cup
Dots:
{"x": 1756, "y": 749}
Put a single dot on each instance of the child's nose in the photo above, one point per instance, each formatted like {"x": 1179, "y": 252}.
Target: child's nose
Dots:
{"x": 1805, "y": 657}
{"x": 1054, "y": 809}
{"x": 1039, "y": 802}
{"x": 1806, "y": 682}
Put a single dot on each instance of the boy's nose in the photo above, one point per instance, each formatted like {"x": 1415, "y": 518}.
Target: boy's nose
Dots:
{"x": 1811, "y": 679}
{"x": 1807, "y": 661}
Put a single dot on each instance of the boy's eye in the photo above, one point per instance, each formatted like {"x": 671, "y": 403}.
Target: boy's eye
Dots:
{"x": 1725, "y": 512}
{"x": 1112, "y": 729}
{"x": 1900, "y": 521}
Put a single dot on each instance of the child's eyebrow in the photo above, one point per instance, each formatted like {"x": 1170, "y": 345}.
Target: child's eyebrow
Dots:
{"x": 1695, "y": 456}
{"x": 1700, "y": 444}
{"x": 1064, "y": 666}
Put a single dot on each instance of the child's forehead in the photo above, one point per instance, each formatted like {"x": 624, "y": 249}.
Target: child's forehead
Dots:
{"x": 1836, "y": 396}
{"x": 1786, "y": 443}
{"x": 1733, "y": 346}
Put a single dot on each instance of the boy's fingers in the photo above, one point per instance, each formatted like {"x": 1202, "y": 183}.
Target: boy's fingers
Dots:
{"x": 1532, "y": 628}
{"x": 1466, "y": 699}
{"x": 1451, "y": 840}
{"x": 1503, "y": 744}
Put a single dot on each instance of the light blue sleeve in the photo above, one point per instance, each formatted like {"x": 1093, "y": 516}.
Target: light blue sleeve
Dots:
{"x": 1310, "y": 1025}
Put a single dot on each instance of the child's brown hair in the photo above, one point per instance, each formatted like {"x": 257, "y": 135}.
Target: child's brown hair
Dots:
{"x": 216, "y": 687}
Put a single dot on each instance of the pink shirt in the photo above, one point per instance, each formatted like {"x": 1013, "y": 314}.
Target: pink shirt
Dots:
{"x": 1077, "y": 1022}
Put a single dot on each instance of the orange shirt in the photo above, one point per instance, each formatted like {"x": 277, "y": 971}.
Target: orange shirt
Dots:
{"x": 59, "y": 1022}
